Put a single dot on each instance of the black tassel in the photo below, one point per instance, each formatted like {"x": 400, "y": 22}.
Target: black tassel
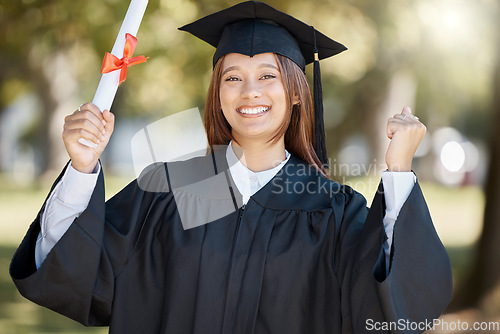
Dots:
{"x": 319, "y": 124}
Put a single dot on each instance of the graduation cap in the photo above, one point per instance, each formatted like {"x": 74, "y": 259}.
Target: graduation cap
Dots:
{"x": 253, "y": 27}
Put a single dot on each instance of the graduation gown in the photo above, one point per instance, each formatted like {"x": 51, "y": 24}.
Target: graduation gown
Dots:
{"x": 304, "y": 255}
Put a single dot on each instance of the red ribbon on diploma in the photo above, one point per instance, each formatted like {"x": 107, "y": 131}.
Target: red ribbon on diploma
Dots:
{"x": 112, "y": 63}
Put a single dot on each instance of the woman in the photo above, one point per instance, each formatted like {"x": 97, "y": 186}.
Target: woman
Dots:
{"x": 299, "y": 253}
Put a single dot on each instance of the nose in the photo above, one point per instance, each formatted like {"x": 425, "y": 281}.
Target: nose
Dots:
{"x": 251, "y": 89}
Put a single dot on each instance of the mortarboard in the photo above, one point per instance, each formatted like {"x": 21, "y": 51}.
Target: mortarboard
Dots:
{"x": 254, "y": 27}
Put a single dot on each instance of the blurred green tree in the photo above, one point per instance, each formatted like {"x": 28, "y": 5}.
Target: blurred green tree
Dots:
{"x": 42, "y": 47}
{"x": 54, "y": 49}
{"x": 481, "y": 287}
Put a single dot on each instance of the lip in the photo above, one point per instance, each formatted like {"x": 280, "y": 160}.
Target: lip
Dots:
{"x": 254, "y": 107}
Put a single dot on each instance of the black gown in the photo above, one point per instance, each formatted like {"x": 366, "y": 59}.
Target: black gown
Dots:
{"x": 287, "y": 262}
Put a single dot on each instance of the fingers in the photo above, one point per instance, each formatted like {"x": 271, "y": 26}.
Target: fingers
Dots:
{"x": 406, "y": 115}
{"x": 406, "y": 111}
{"x": 398, "y": 123}
{"x": 389, "y": 129}
{"x": 403, "y": 122}
{"x": 88, "y": 111}
{"x": 87, "y": 122}
{"x": 406, "y": 133}
{"x": 92, "y": 108}
{"x": 94, "y": 113}
{"x": 108, "y": 121}
{"x": 73, "y": 135}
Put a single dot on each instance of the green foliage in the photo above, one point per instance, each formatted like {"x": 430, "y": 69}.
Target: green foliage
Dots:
{"x": 437, "y": 43}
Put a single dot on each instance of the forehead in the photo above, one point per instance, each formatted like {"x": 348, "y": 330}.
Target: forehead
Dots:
{"x": 240, "y": 60}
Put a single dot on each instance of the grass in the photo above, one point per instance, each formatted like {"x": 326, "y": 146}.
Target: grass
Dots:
{"x": 20, "y": 316}
{"x": 18, "y": 208}
{"x": 457, "y": 213}
{"x": 20, "y": 205}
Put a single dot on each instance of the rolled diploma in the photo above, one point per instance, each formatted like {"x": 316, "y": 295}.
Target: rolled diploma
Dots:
{"x": 106, "y": 90}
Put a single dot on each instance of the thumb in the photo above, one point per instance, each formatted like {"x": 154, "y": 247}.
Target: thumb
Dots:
{"x": 109, "y": 120}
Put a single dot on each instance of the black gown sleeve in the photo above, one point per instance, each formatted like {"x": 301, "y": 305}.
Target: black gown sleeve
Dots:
{"x": 77, "y": 277}
{"x": 418, "y": 286}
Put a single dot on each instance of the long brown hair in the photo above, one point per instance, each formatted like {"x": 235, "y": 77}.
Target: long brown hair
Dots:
{"x": 298, "y": 127}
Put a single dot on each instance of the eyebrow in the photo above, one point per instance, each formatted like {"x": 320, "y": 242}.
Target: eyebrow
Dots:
{"x": 265, "y": 65}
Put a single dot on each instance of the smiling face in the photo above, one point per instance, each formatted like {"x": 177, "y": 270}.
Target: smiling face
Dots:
{"x": 252, "y": 96}
{"x": 297, "y": 125}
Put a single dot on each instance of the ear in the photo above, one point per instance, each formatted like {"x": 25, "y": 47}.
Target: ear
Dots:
{"x": 295, "y": 99}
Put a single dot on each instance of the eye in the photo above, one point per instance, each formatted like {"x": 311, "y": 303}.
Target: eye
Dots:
{"x": 268, "y": 76}
{"x": 232, "y": 78}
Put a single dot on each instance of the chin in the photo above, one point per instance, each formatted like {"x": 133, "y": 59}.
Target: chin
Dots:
{"x": 255, "y": 135}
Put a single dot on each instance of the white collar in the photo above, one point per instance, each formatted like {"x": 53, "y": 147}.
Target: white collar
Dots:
{"x": 247, "y": 181}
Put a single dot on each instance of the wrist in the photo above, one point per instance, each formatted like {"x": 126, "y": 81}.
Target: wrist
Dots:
{"x": 86, "y": 169}
{"x": 399, "y": 167}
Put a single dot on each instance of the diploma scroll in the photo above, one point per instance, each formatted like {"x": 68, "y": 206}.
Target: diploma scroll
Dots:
{"x": 108, "y": 85}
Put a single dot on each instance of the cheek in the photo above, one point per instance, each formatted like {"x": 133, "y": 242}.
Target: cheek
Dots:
{"x": 224, "y": 97}
{"x": 227, "y": 93}
{"x": 226, "y": 115}
{"x": 226, "y": 103}
{"x": 278, "y": 93}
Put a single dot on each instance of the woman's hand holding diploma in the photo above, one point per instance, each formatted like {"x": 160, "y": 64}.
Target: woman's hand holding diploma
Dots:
{"x": 89, "y": 123}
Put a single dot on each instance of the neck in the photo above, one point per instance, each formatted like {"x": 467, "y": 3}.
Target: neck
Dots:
{"x": 260, "y": 156}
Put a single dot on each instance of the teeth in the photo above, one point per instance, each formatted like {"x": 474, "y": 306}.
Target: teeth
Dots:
{"x": 257, "y": 110}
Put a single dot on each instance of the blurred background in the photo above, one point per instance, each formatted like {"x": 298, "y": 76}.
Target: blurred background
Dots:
{"x": 439, "y": 57}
